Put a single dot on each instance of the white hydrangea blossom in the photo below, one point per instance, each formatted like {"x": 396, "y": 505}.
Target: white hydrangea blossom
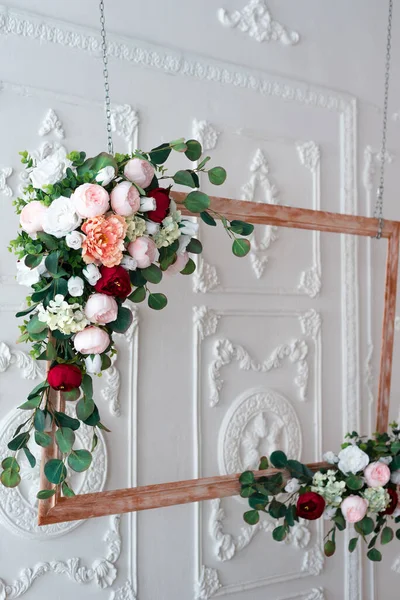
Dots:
{"x": 67, "y": 318}
{"x": 325, "y": 485}
{"x": 170, "y": 230}
{"x": 377, "y": 498}
{"x": 136, "y": 227}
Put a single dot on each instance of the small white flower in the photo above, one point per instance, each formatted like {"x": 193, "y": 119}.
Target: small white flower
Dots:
{"x": 152, "y": 228}
{"x": 183, "y": 243}
{"x": 61, "y": 217}
{"x": 105, "y": 175}
{"x": 129, "y": 263}
{"x": 147, "y": 204}
{"x": 292, "y": 485}
{"x": 189, "y": 228}
{"x": 59, "y": 314}
{"x": 92, "y": 274}
{"x": 395, "y": 477}
{"x": 51, "y": 169}
{"x": 386, "y": 460}
{"x": 93, "y": 365}
{"x": 352, "y": 460}
{"x": 330, "y": 457}
{"x": 329, "y": 513}
{"x": 76, "y": 285}
{"x": 27, "y": 276}
{"x": 75, "y": 239}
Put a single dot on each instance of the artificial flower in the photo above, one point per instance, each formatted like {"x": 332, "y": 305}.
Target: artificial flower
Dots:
{"x": 27, "y": 276}
{"x": 352, "y": 460}
{"x": 147, "y": 204}
{"x": 310, "y": 506}
{"x": 114, "y": 281}
{"x": 292, "y": 485}
{"x": 189, "y": 228}
{"x": 90, "y": 200}
{"x": 74, "y": 240}
{"x": 135, "y": 227}
{"x": 125, "y": 199}
{"x": 139, "y": 171}
{"x": 377, "y": 498}
{"x": 61, "y": 217}
{"x": 377, "y": 474}
{"x": 104, "y": 241}
{"x": 394, "y": 499}
{"x": 105, "y": 175}
{"x": 161, "y": 196}
{"x": 64, "y": 377}
{"x": 330, "y": 457}
{"x": 76, "y": 286}
{"x": 129, "y": 263}
{"x": 101, "y": 309}
{"x": 327, "y": 486}
{"x": 354, "y": 508}
{"x": 31, "y": 217}
{"x": 179, "y": 264}
{"x": 395, "y": 477}
{"x": 59, "y": 314}
{"x": 92, "y": 340}
{"x": 144, "y": 251}
{"x": 91, "y": 273}
{"x": 152, "y": 228}
{"x": 93, "y": 364}
{"x": 51, "y": 169}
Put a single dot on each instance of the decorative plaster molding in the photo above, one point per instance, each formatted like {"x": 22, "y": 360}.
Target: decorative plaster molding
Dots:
{"x": 208, "y": 583}
{"x": 313, "y": 562}
{"x": 126, "y": 592}
{"x": 125, "y": 123}
{"x": 205, "y": 320}
{"x": 309, "y": 155}
{"x": 206, "y": 134}
{"x": 50, "y": 123}
{"x": 310, "y": 323}
{"x": 226, "y": 352}
{"x": 5, "y": 173}
{"x": 256, "y": 20}
{"x": 205, "y": 278}
{"x": 29, "y": 367}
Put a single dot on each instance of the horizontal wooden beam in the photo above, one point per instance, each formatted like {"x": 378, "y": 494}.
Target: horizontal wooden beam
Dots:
{"x": 100, "y": 504}
{"x": 292, "y": 217}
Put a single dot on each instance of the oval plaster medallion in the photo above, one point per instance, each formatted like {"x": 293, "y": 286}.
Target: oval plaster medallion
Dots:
{"x": 258, "y": 422}
{"x": 19, "y": 506}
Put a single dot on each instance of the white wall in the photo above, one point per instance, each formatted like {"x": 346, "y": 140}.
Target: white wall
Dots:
{"x": 280, "y": 348}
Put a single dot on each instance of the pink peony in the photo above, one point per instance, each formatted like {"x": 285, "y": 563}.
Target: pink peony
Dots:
{"x": 125, "y": 199}
{"x": 101, "y": 309}
{"x": 90, "y": 200}
{"x": 377, "y": 474}
{"x": 91, "y": 340}
{"x": 354, "y": 508}
{"x": 179, "y": 264}
{"x": 144, "y": 251}
{"x": 104, "y": 241}
{"x": 139, "y": 171}
{"x": 31, "y": 217}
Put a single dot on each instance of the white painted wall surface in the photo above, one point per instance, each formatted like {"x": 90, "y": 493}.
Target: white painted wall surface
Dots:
{"x": 279, "y": 349}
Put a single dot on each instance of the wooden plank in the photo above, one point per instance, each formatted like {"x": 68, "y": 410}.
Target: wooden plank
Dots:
{"x": 147, "y": 497}
{"x": 292, "y": 217}
{"x": 385, "y": 375}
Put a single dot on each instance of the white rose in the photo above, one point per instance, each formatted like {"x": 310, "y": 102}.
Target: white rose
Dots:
{"x": 76, "y": 286}
{"x": 27, "y": 276}
{"x": 75, "y": 239}
{"x": 51, "y": 169}
{"x": 129, "y": 263}
{"x": 147, "y": 204}
{"x": 292, "y": 485}
{"x": 330, "y": 457}
{"x": 352, "y": 460}
{"x": 61, "y": 217}
{"x": 152, "y": 228}
{"x": 93, "y": 364}
{"x": 189, "y": 228}
{"x": 385, "y": 460}
{"x": 92, "y": 274}
{"x": 395, "y": 477}
{"x": 329, "y": 513}
{"x": 183, "y": 243}
{"x": 105, "y": 175}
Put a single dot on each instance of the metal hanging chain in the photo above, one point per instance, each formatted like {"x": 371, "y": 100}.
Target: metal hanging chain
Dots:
{"x": 107, "y": 101}
{"x": 378, "y": 211}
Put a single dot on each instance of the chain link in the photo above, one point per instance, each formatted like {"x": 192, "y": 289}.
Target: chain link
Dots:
{"x": 378, "y": 211}
{"x": 107, "y": 101}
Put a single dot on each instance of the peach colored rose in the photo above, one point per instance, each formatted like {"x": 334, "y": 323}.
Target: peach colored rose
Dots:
{"x": 91, "y": 340}
{"x": 90, "y": 200}
{"x": 144, "y": 251}
{"x": 139, "y": 171}
{"x": 104, "y": 241}
{"x": 354, "y": 508}
{"x": 125, "y": 199}
{"x": 377, "y": 474}
{"x": 31, "y": 217}
{"x": 101, "y": 309}
{"x": 179, "y": 264}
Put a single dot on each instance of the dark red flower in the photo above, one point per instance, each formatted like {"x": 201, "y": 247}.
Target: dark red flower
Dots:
{"x": 391, "y": 507}
{"x": 64, "y": 377}
{"x": 161, "y": 196}
{"x": 114, "y": 281}
{"x": 310, "y": 506}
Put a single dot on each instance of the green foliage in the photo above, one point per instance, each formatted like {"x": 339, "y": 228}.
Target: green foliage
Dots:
{"x": 157, "y": 301}
{"x": 55, "y": 471}
{"x": 217, "y": 175}
{"x": 278, "y": 459}
{"x": 329, "y": 548}
{"x": 251, "y": 517}
{"x": 197, "y": 202}
{"x": 80, "y": 460}
{"x": 241, "y": 247}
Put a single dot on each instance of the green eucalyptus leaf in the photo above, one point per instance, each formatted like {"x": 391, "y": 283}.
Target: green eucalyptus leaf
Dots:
{"x": 217, "y": 175}
{"x": 354, "y": 483}
{"x": 157, "y": 301}
{"x": 55, "y": 471}
{"x": 64, "y": 420}
{"x": 247, "y": 491}
{"x": 189, "y": 268}
{"x": 65, "y": 439}
{"x": 66, "y": 491}
{"x": 26, "y": 311}
{"x": 365, "y": 526}
{"x": 87, "y": 386}
{"x": 251, "y": 517}
{"x": 84, "y": 408}
{"x": 353, "y": 544}
{"x": 194, "y": 150}
{"x": 29, "y": 456}
{"x": 279, "y": 533}
{"x": 184, "y": 178}
{"x": 123, "y": 320}
{"x": 45, "y": 494}
{"x": 72, "y": 396}
{"x": 241, "y": 247}
{"x": 386, "y": 535}
{"x": 264, "y": 463}
{"x": 51, "y": 262}
{"x": 31, "y": 404}
{"x": 208, "y": 219}
{"x": 10, "y": 463}
{"x": 159, "y": 155}
{"x": 153, "y": 274}
{"x": 374, "y": 555}
{"x": 94, "y": 418}
{"x": 10, "y": 478}
{"x": 241, "y": 227}
{"x": 197, "y": 202}
{"x": 19, "y": 441}
{"x": 194, "y": 246}
{"x": 35, "y": 326}
{"x": 138, "y": 295}
{"x": 278, "y": 459}
{"x": 258, "y": 501}
{"x": 80, "y": 460}
{"x": 32, "y": 260}
{"x": 49, "y": 241}
{"x": 43, "y": 439}
{"x": 247, "y": 478}
{"x": 329, "y": 548}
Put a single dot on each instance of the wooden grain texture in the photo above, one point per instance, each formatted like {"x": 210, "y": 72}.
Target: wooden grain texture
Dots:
{"x": 385, "y": 375}
{"x": 146, "y": 497}
{"x": 292, "y": 217}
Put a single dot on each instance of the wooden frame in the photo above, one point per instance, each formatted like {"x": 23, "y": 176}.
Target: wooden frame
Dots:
{"x": 58, "y": 509}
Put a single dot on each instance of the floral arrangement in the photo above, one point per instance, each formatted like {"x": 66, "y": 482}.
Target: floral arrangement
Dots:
{"x": 94, "y": 232}
{"x": 360, "y": 489}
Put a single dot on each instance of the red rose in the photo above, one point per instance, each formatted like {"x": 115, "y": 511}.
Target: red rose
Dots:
{"x": 161, "y": 196}
{"x": 391, "y": 507}
{"x": 310, "y": 506}
{"x": 64, "y": 377}
{"x": 114, "y": 281}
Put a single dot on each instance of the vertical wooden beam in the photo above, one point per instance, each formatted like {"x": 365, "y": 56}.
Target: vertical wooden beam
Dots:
{"x": 392, "y": 262}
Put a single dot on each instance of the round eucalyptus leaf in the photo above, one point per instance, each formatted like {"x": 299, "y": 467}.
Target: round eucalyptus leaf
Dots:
{"x": 80, "y": 460}
{"x": 55, "y": 471}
